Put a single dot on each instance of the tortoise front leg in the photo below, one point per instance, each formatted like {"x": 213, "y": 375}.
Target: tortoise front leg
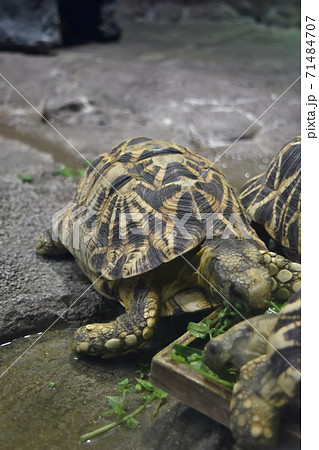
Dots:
{"x": 285, "y": 274}
{"x": 45, "y": 245}
{"x": 256, "y": 395}
{"x": 255, "y": 405}
{"x": 128, "y": 332}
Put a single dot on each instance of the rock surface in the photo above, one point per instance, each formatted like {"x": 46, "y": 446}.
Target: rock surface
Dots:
{"x": 38, "y": 26}
{"x": 271, "y": 12}
{"x": 36, "y": 291}
{"x": 35, "y": 26}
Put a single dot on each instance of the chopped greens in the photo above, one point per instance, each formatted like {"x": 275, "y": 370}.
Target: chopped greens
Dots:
{"x": 132, "y": 423}
{"x": 118, "y": 407}
{"x": 274, "y": 307}
{"x": 226, "y": 318}
{"x": 200, "y": 330}
{"x": 25, "y": 177}
{"x": 65, "y": 172}
{"x": 208, "y": 329}
{"x": 69, "y": 172}
{"x": 192, "y": 358}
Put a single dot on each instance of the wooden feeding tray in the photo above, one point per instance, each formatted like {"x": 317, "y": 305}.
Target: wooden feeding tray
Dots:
{"x": 192, "y": 388}
{"x": 197, "y": 391}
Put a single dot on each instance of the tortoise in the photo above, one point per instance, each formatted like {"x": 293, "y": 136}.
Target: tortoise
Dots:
{"x": 273, "y": 200}
{"x": 267, "y": 348}
{"x": 158, "y": 228}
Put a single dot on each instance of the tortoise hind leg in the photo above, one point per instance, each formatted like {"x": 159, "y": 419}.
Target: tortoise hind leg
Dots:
{"x": 45, "y": 245}
{"x": 128, "y": 332}
{"x": 255, "y": 405}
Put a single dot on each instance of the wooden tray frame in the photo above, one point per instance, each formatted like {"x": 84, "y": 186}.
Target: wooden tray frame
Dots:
{"x": 192, "y": 388}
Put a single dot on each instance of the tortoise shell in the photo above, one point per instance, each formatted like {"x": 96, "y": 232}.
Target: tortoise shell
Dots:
{"x": 273, "y": 198}
{"x": 286, "y": 339}
{"x": 127, "y": 215}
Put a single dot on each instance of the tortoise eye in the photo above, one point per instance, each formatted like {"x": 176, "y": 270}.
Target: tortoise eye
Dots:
{"x": 237, "y": 293}
{"x": 212, "y": 346}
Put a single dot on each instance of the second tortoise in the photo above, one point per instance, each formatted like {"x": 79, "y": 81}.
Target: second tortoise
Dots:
{"x": 273, "y": 200}
{"x": 266, "y": 348}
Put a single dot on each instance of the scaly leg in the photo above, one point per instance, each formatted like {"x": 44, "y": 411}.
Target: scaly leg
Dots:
{"x": 46, "y": 246}
{"x": 128, "y": 332}
{"x": 285, "y": 274}
{"x": 255, "y": 406}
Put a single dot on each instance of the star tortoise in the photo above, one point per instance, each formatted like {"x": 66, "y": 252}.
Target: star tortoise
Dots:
{"x": 158, "y": 228}
{"x": 267, "y": 349}
{"x": 273, "y": 199}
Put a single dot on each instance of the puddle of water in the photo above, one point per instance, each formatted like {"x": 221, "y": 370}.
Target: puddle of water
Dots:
{"x": 35, "y": 416}
{"x": 25, "y": 129}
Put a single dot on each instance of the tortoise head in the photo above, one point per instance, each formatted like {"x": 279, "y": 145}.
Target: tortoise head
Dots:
{"x": 236, "y": 269}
